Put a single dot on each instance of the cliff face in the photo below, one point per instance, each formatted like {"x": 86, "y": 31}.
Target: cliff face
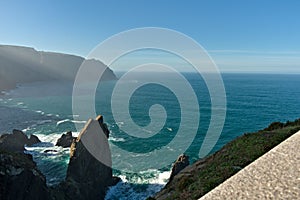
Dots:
{"x": 19, "y": 176}
{"x": 23, "y": 64}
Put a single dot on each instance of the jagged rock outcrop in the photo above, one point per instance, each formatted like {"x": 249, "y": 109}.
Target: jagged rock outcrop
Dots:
{"x": 15, "y": 142}
{"x": 65, "y": 140}
{"x": 33, "y": 139}
{"x": 179, "y": 167}
{"x": 99, "y": 118}
{"x": 89, "y": 172}
{"x": 181, "y": 162}
{"x": 20, "y": 179}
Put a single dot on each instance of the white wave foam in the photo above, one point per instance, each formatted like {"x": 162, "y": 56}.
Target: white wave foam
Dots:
{"x": 41, "y": 122}
{"x": 162, "y": 178}
{"x": 69, "y": 120}
{"x": 170, "y": 129}
{"x": 50, "y": 138}
{"x": 120, "y": 124}
{"x": 5, "y": 93}
{"x": 116, "y": 139}
{"x": 127, "y": 190}
{"x": 45, "y": 148}
{"x": 27, "y": 129}
{"x": 75, "y": 134}
{"x": 39, "y": 111}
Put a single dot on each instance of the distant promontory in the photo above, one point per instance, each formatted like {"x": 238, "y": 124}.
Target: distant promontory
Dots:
{"x": 24, "y": 65}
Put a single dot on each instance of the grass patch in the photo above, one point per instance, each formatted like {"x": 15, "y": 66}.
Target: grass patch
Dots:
{"x": 237, "y": 154}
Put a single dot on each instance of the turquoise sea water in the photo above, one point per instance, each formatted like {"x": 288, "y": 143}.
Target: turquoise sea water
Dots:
{"x": 45, "y": 109}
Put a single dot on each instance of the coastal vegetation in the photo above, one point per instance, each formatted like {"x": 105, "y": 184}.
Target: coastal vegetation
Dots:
{"x": 207, "y": 173}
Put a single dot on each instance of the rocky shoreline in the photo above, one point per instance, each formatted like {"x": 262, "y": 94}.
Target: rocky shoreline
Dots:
{"x": 87, "y": 178}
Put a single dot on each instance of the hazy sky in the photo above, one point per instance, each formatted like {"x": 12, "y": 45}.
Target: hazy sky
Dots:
{"x": 256, "y": 36}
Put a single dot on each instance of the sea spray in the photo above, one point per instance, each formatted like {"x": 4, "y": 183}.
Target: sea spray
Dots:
{"x": 136, "y": 187}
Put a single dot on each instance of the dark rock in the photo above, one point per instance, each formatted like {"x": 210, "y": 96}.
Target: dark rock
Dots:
{"x": 15, "y": 142}
{"x": 89, "y": 172}
{"x": 181, "y": 162}
{"x": 33, "y": 139}
{"x": 87, "y": 177}
{"x": 115, "y": 180}
{"x": 99, "y": 118}
{"x": 20, "y": 178}
{"x": 65, "y": 140}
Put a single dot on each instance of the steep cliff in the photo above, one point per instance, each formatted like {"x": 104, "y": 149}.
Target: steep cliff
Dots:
{"x": 20, "y": 178}
{"x": 23, "y": 64}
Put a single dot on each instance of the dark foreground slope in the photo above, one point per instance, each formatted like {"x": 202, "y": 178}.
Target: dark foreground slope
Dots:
{"x": 20, "y": 178}
{"x": 86, "y": 178}
{"x": 204, "y": 175}
{"x": 24, "y": 64}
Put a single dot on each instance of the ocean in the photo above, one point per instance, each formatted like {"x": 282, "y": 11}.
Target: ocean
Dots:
{"x": 45, "y": 109}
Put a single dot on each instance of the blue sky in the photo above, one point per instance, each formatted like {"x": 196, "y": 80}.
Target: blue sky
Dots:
{"x": 255, "y": 36}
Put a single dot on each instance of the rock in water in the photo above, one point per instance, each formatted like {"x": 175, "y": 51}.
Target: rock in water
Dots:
{"x": 20, "y": 178}
{"x": 15, "y": 142}
{"x": 181, "y": 162}
{"x": 103, "y": 125}
{"x": 65, "y": 140}
{"x": 89, "y": 172}
{"x": 33, "y": 139}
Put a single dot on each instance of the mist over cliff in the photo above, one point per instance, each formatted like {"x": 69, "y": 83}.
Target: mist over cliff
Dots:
{"x": 24, "y": 64}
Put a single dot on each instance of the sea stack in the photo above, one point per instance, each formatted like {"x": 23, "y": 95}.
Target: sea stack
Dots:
{"x": 89, "y": 172}
{"x": 65, "y": 140}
